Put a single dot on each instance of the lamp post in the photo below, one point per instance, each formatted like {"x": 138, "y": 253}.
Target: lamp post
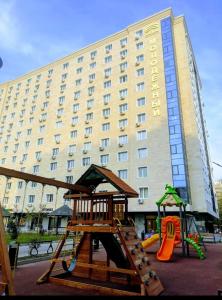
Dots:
{"x": 1, "y": 62}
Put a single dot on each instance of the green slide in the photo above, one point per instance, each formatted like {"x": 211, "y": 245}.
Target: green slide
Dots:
{"x": 196, "y": 247}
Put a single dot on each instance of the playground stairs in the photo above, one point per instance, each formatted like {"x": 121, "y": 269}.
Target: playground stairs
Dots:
{"x": 139, "y": 260}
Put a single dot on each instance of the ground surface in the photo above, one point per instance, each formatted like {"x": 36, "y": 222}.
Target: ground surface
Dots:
{"x": 182, "y": 276}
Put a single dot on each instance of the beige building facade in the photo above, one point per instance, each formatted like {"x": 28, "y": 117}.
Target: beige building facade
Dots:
{"x": 130, "y": 102}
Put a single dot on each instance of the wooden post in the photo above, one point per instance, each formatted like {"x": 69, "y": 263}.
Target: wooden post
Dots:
{"x": 7, "y": 280}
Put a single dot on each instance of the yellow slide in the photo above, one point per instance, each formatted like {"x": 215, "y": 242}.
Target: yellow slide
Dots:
{"x": 150, "y": 241}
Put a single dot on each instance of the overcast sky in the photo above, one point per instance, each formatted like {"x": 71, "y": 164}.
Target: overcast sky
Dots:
{"x": 36, "y": 32}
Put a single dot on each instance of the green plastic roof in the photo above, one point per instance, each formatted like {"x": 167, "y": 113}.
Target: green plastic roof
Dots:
{"x": 170, "y": 198}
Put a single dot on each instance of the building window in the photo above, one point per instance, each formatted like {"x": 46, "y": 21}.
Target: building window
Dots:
{"x": 123, "y": 66}
{"x": 140, "y": 87}
{"x": 123, "y": 139}
{"x": 142, "y": 172}
{"x": 70, "y": 164}
{"x": 60, "y": 112}
{"x": 142, "y": 153}
{"x": 93, "y": 54}
{"x": 141, "y": 101}
{"x": 108, "y": 59}
{"x": 80, "y": 59}
{"x": 55, "y": 151}
{"x": 35, "y": 169}
{"x": 20, "y": 183}
{"x": 65, "y": 66}
{"x": 123, "y": 174}
{"x": 77, "y": 95}
{"x": 49, "y": 197}
{"x": 107, "y": 72}
{"x": 13, "y": 159}
{"x": 123, "y": 42}
{"x": 39, "y": 141}
{"x": 105, "y": 142}
{"x": 140, "y": 58}
{"x": 33, "y": 184}
{"x": 72, "y": 149}
{"x": 141, "y": 135}
{"x": 123, "y": 54}
{"x": 78, "y": 82}
{"x": 75, "y": 120}
{"x": 57, "y": 138}
{"x": 106, "y": 127}
{"x": 123, "y": 108}
{"x": 104, "y": 159}
{"x": 59, "y": 124}
{"x": 122, "y": 156}
{"x": 139, "y": 33}
{"x": 108, "y": 48}
{"x": 123, "y": 123}
{"x": 24, "y": 157}
{"x": 91, "y": 90}
{"x": 106, "y": 98}
{"x": 123, "y": 79}
{"x": 76, "y": 107}
{"x": 69, "y": 179}
{"x": 38, "y": 155}
{"x": 89, "y": 116}
{"x": 141, "y": 118}
{"x": 86, "y": 161}
{"x": 31, "y": 198}
{"x": 123, "y": 93}
{"x": 140, "y": 72}
{"x": 17, "y": 199}
{"x": 92, "y": 65}
{"x": 73, "y": 134}
{"x": 61, "y": 100}
{"x": 90, "y": 103}
{"x": 92, "y": 77}
{"x": 29, "y": 131}
{"x": 87, "y": 146}
{"x": 79, "y": 70}
{"x": 107, "y": 84}
{"x": 42, "y": 128}
{"x": 3, "y": 161}
{"x": 53, "y": 166}
{"x": 139, "y": 46}
{"x": 143, "y": 192}
{"x": 88, "y": 130}
{"x": 62, "y": 87}
{"x": 106, "y": 112}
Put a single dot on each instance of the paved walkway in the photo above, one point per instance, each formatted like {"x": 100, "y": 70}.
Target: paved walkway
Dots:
{"x": 180, "y": 277}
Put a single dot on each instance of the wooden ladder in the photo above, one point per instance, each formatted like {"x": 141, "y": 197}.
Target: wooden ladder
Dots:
{"x": 139, "y": 260}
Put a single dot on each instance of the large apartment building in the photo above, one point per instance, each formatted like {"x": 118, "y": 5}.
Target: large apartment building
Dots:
{"x": 130, "y": 102}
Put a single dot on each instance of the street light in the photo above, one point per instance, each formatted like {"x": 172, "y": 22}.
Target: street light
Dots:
{"x": 1, "y": 63}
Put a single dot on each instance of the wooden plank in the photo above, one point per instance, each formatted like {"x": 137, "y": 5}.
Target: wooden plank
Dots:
{"x": 108, "y": 229}
{"x": 90, "y": 222}
{"x": 105, "y": 268}
{"x": 48, "y": 181}
{"x": 92, "y": 287}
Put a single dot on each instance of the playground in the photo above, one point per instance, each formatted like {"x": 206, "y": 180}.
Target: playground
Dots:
{"x": 100, "y": 252}
{"x": 182, "y": 276}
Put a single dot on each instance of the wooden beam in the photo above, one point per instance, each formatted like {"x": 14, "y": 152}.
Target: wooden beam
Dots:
{"x": 110, "y": 269}
{"x": 107, "y": 229}
{"x": 43, "y": 180}
{"x": 92, "y": 287}
{"x": 6, "y": 274}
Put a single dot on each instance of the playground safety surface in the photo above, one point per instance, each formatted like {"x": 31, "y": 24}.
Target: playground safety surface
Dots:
{"x": 183, "y": 276}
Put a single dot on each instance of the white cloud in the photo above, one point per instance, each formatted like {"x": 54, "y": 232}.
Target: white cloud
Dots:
{"x": 10, "y": 34}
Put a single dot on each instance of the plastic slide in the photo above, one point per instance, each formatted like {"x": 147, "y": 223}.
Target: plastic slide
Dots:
{"x": 166, "y": 250}
{"x": 170, "y": 228}
{"x": 150, "y": 241}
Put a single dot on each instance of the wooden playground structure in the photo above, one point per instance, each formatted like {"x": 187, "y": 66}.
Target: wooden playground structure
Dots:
{"x": 101, "y": 216}
{"x": 104, "y": 216}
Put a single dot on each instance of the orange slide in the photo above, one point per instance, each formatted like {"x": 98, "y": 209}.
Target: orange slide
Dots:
{"x": 170, "y": 228}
